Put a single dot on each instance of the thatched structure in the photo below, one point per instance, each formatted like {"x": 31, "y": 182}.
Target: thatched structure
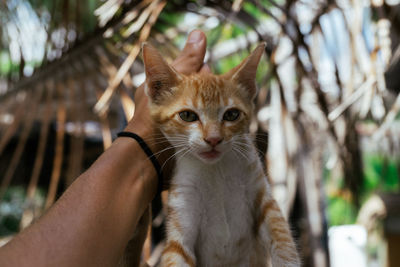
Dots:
{"x": 322, "y": 78}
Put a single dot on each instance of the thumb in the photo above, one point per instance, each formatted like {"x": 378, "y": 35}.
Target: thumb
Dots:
{"x": 191, "y": 58}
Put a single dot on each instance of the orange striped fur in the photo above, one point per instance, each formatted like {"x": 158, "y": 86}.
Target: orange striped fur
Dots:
{"x": 174, "y": 247}
{"x": 220, "y": 208}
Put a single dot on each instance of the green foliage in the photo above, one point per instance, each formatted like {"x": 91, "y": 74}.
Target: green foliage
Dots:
{"x": 172, "y": 18}
{"x": 89, "y": 20}
{"x": 380, "y": 175}
{"x": 11, "y": 210}
{"x": 227, "y": 63}
{"x": 52, "y": 15}
{"x": 215, "y": 35}
{"x": 263, "y": 69}
{"x": 5, "y": 63}
{"x": 86, "y": 9}
{"x": 252, "y": 9}
{"x": 224, "y": 31}
{"x": 340, "y": 211}
{"x": 12, "y": 207}
{"x": 255, "y": 11}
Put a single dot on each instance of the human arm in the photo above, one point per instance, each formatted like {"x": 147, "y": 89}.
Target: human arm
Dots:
{"x": 94, "y": 219}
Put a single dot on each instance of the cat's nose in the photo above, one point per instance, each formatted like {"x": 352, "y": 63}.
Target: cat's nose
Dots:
{"x": 213, "y": 141}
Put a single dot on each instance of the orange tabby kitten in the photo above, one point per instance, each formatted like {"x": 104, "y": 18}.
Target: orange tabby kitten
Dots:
{"x": 220, "y": 208}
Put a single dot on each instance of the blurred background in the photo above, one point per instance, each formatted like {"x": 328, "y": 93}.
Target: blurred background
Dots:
{"x": 327, "y": 121}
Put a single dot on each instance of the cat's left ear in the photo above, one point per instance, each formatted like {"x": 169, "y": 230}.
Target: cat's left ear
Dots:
{"x": 245, "y": 73}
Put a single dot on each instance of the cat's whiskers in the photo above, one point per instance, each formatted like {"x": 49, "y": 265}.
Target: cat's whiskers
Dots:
{"x": 168, "y": 142}
{"x": 158, "y": 142}
{"x": 173, "y": 155}
{"x": 156, "y": 136}
{"x": 166, "y": 149}
{"x": 263, "y": 141}
{"x": 239, "y": 150}
{"x": 187, "y": 151}
{"x": 177, "y": 139}
{"x": 243, "y": 139}
{"x": 247, "y": 146}
{"x": 256, "y": 137}
{"x": 236, "y": 153}
{"x": 170, "y": 138}
{"x": 161, "y": 138}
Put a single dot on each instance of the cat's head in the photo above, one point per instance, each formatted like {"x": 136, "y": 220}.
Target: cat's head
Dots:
{"x": 204, "y": 115}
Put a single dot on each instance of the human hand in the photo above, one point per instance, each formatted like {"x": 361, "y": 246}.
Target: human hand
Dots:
{"x": 189, "y": 61}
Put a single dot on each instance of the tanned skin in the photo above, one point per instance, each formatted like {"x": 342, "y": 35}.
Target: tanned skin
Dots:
{"x": 92, "y": 222}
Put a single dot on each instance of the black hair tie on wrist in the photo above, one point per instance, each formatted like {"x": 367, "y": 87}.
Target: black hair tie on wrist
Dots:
{"x": 149, "y": 154}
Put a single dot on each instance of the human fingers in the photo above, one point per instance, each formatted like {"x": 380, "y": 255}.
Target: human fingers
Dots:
{"x": 191, "y": 58}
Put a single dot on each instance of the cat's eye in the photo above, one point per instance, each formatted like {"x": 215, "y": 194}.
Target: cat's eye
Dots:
{"x": 188, "y": 116}
{"x": 231, "y": 114}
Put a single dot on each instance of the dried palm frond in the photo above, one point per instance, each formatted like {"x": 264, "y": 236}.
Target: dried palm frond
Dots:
{"x": 30, "y": 212}
{"x": 61, "y": 118}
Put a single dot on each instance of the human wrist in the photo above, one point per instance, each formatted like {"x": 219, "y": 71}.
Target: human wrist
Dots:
{"x": 158, "y": 145}
{"x": 145, "y": 130}
{"x": 141, "y": 167}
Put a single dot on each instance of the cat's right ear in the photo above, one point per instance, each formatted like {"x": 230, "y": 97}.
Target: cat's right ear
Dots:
{"x": 245, "y": 73}
{"x": 160, "y": 77}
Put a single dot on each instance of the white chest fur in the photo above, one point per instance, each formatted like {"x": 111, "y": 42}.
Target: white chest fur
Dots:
{"x": 215, "y": 207}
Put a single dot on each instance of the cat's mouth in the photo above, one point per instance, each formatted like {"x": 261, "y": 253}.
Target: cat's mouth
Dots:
{"x": 212, "y": 154}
